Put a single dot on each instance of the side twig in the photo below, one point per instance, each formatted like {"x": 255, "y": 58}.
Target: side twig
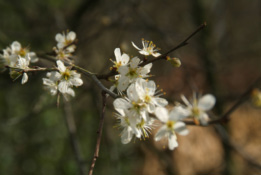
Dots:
{"x": 70, "y": 123}
{"x": 99, "y": 132}
{"x": 163, "y": 56}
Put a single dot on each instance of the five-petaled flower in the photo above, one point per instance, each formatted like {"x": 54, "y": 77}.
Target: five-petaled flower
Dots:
{"x": 148, "y": 48}
{"x": 63, "y": 80}
{"x": 172, "y": 124}
{"x": 198, "y": 106}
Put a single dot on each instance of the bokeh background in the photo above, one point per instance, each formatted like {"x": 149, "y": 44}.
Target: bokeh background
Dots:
{"x": 223, "y": 59}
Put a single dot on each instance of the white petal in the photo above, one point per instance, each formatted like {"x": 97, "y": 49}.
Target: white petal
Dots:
{"x": 203, "y": 118}
{"x": 161, "y": 102}
{"x": 123, "y": 70}
{"x": 173, "y": 141}
{"x": 16, "y": 46}
{"x": 70, "y": 91}
{"x": 61, "y": 66}
{"x": 63, "y": 87}
{"x": 71, "y": 36}
{"x": 123, "y": 83}
{"x": 132, "y": 93}
{"x": 25, "y": 78}
{"x": 156, "y": 54}
{"x": 135, "y": 46}
{"x": 162, "y": 114}
{"x": 146, "y": 69}
{"x": 151, "y": 108}
{"x": 117, "y": 53}
{"x": 180, "y": 127}
{"x": 125, "y": 59}
{"x": 151, "y": 87}
{"x": 59, "y": 37}
{"x": 162, "y": 132}
{"x": 126, "y": 135}
{"x": 120, "y": 105}
{"x": 206, "y": 102}
{"x": 76, "y": 81}
{"x": 33, "y": 57}
{"x": 143, "y": 52}
{"x": 134, "y": 62}
{"x": 179, "y": 113}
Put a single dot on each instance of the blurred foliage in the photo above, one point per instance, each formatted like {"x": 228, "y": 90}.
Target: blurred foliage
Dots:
{"x": 223, "y": 59}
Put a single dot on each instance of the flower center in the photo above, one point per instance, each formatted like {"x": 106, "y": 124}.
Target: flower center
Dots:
{"x": 170, "y": 124}
{"x": 66, "y": 75}
{"x": 132, "y": 73}
{"x": 22, "y": 52}
{"x": 195, "y": 111}
{"x": 147, "y": 98}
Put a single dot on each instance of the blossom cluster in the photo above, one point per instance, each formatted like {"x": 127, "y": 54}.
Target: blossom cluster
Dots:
{"x": 141, "y": 104}
{"x": 62, "y": 80}
{"x": 17, "y": 58}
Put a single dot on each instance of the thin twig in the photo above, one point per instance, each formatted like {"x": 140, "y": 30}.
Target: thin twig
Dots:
{"x": 163, "y": 56}
{"x": 225, "y": 117}
{"x": 99, "y": 132}
{"x": 85, "y": 72}
{"x": 71, "y": 127}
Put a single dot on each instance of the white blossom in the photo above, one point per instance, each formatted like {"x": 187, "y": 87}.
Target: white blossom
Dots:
{"x": 197, "y": 107}
{"x": 131, "y": 72}
{"x": 172, "y": 124}
{"x": 66, "y": 40}
{"x": 63, "y": 80}
{"x": 148, "y": 48}
{"x": 147, "y": 93}
{"x": 11, "y": 54}
{"x": 132, "y": 103}
{"x": 23, "y": 64}
{"x": 121, "y": 59}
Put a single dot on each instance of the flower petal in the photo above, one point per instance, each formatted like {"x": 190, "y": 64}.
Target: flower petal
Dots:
{"x": 179, "y": 113}
{"x": 61, "y": 66}
{"x": 71, "y": 36}
{"x": 135, "y": 46}
{"x": 173, "y": 141}
{"x": 126, "y": 135}
{"x": 25, "y": 78}
{"x": 134, "y": 62}
{"x": 117, "y": 53}
{"x": 206, "y": 102}
{"x": 180, "y": 127}
{"x": 162, "y": 114}
{"x": 162, "y": 132}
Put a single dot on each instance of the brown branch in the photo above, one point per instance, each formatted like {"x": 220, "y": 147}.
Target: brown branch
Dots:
{"x": 99, "y": 132}
{"x": 239, "y": 149}
{"x": 163, "y": 56}
{"x": 225, "y": 117}
{"x": 71, "y": 127}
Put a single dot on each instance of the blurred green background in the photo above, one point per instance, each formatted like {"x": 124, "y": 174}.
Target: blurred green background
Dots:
{"x": 223, "y": 59}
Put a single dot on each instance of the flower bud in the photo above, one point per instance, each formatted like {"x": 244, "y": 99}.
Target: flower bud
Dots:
{"x": 175, "y": 62}
{"x": 256, "y": 97}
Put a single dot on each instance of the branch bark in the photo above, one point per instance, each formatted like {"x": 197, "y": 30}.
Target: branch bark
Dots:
{"x": 99, "y": 132}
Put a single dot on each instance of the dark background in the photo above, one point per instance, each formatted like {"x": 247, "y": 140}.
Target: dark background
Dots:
{"x": 223, "y": 59}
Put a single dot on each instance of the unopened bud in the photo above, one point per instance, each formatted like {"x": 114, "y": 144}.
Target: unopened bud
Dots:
{"x": 175, "y": 62}
{"x": 256, "y": 97}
